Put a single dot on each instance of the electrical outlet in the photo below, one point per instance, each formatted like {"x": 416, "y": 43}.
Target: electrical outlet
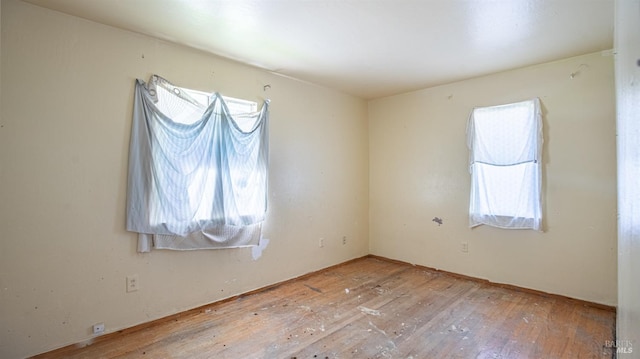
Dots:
{"x": 98, "y": 328}
{"x": 321, "y": 243}
{"x": 465, "y": 247}
{"x": 132, "y": 283}
{"x": 344, "y": 240}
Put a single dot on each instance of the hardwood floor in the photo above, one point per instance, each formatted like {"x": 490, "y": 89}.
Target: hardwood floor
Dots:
{"x": 372, "y": 308}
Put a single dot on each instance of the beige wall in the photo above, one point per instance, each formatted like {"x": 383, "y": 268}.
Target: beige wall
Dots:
{"x": 67, "y": 92}
{"x": 419, "y": 170}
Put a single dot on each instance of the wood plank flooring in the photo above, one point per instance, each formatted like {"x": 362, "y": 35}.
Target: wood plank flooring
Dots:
{"x": 372, "y": 308}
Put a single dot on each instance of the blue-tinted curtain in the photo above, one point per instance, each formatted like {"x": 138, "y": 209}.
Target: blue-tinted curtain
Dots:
{"x": 194, "y": 172}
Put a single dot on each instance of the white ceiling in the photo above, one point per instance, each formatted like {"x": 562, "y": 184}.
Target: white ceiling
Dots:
{"x": 368, "y": 48}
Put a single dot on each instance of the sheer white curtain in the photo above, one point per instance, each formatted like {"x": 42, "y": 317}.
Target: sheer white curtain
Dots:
{"x": 197, "y": 177}
{"x": 505, "y": 151}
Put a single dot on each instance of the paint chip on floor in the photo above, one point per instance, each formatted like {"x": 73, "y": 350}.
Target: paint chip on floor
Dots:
{"x": 369, "y": 311}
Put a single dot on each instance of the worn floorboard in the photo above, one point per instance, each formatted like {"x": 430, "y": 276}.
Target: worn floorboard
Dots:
{"x": 372, "y": 308}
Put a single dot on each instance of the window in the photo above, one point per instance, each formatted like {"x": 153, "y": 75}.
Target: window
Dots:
{"x": 238, "y": 108}
{"x": 197, "y": 168}
{"x": 505, "y": 144}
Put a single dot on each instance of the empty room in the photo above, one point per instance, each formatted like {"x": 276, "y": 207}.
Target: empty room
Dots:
{"x": 319, "y": 179}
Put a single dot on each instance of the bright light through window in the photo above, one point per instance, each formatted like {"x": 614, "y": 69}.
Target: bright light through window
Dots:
{"x": 505, "y": 144}
{"x": 241, "y": 110}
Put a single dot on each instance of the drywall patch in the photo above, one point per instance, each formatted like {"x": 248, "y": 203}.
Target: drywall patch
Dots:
{"x": 256, "y": 251}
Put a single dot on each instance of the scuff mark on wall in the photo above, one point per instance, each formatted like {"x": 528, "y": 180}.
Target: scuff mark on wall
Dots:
{"x": 437, "y": 220}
